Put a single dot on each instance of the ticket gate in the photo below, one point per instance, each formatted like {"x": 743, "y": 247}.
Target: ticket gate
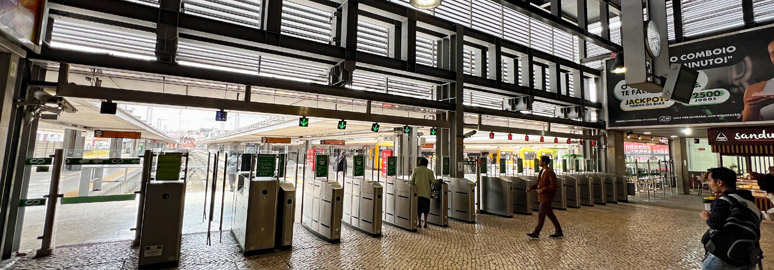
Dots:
{"x": 462, "y": 200}
{"x": 400, "y": 204}
{"x": 363, "y": 205}
{"x": 439, "y": 207}
{"x": 286, "y": 215}
{"x": 254, "y": 219}
{"x": 572, "y": 192}
{"x": 585, "y": 189}
{"x": 522, "y": 199}
{"x": 560, "y": 199}
{"x": 162, "y": 224}
{"x": 323, "y": 207}
{"x": 532, "y": 196}
{"x": 621, "y": 188}
{"x": 610, "y": 188}
{"x": 497, "y": 196}
{"x": 599, "y": 187}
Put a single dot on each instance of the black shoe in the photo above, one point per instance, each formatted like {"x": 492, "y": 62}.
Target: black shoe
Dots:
{"x": 425, "y": 225}
{"x": 557, "y": 235}
{"x": 534, "y": 236}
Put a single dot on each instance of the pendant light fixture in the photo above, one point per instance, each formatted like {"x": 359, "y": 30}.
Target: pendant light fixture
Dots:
{"x": 425, "y": 4}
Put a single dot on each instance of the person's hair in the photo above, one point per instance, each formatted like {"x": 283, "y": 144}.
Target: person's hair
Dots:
{"x": 725, "y": 175}
{"x": 423, "y": 162}
{"x": 545, "y": 159}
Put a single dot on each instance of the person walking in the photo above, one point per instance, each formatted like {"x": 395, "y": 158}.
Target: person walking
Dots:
{"x": 733, "y": 238}
{"x": 546, "y": 189}
{"x": 341, "y": 165}
{"x": 423, "y": 178}
{"x": 232, "y": 169}
{"x": 766, "y": 183}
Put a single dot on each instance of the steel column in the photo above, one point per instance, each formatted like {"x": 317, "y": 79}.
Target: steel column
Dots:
{"x": 167, "y": 31}
{"x": 47, "y": 243}
{"x": 457, "y": 117}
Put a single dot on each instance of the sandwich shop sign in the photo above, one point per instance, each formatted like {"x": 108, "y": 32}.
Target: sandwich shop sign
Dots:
{"x": 741, "y": 136}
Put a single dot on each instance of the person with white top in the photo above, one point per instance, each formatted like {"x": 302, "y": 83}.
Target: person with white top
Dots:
{"x": 759, "y": 97}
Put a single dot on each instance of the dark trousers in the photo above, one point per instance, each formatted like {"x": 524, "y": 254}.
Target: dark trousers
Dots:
{"x": 546, "y": 210}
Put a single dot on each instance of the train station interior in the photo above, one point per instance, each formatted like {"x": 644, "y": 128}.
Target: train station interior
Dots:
{"x": 292, "y": 134}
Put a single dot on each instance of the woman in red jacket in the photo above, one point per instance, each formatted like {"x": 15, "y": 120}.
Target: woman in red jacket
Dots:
{"x": 546, "y": 189}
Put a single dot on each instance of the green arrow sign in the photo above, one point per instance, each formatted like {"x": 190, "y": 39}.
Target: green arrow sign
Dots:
{"x": 406, "y": 129}
{"x": 303, "y": 122}
{"x": 375, "y": 127}
{"x": 359, "y": 168}
{"x": 32, "y": 202}
{"x": 433, "y": 131}
{"x": 445, "y": 166}
{"x": 39, "y": 161}
{"x": 392, "y": 166}
{"x": 342, "y": 124}
{"x": 266, "y": 165}
{"x": 321, "y": 166}
{"x": 502, "y": 165}
{"x": 101, "y": 161}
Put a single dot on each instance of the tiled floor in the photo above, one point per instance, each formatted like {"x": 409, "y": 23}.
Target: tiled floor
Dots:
{"x": 636, "y": 235}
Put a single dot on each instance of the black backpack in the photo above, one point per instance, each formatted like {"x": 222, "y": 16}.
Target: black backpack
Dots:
{"x": 738, "y": 241}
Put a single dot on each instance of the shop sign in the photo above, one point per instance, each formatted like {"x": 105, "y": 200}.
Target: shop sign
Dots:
{"x": 359, "y": 168}
{"x": 730, "y": 68}
{"x": 332, "y": 142}
{"x": 117, "y": 134}
{"x": 741, "y": 136}
{"x": 274, "y": 140}
{"x": 266, "y": 165}
{"x": 321, "y": 166}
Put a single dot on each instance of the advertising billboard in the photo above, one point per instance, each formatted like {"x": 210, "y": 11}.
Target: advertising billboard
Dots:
{"x": 22, "y": 20}
{"x": 735, "y": 84}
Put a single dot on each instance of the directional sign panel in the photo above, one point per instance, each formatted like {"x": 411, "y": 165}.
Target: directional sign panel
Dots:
{"x": 433, "y": 131}
{"x": 392, "y": 166}
{"x": 342, "y": 124}
{"x": 502, "y": 165}
{"x": 303, "y": 122}
{"x": 101, "y": 161}
{"x": 321, "y": 166}
{"x": 359, "y": 168}
{"x": 446, "y": 163}
{"x": 375, "y": 127}
{"x": 265, "y": 165}
{"x": 32, "y": 202}
{"x": 39, "y": 161}
{"x": 406, "y": 129}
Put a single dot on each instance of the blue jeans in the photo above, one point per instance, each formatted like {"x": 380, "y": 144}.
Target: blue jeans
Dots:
{"x": 714, "y": 263}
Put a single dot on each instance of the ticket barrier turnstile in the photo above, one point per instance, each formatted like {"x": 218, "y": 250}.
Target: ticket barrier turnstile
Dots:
{"x": 621, "y": 188}
{"x": 439, "y": 207}
{"x": 585, "y": 189}
{"x": 323, "y": 207}
{"x": 286, "y": 215}
{"x": 610, "y": 188}
{"x": 560, "y": 199}
{"x": 572, "y": 192}
{"x": 599, "y": 187}
{"x": 254, "y": 216}
{"x": 400, "y": 204}
{"x": 162, "y": 224}
{"x": 497, "y": 196}
{"x": 363, "y": 205}
{"x": 462, "y": 200}
{"x": 532, "y": 196}
{"x": 522, "y": 199}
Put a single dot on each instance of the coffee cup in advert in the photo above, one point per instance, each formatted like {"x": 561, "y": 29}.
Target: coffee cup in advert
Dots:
{"x": 708, "y": 203}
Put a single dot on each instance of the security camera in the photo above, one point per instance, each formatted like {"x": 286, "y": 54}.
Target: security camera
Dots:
{"x": 46, "y": 98}
{"x": 469, "y": 134}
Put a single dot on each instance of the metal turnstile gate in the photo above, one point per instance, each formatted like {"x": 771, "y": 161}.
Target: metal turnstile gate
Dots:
{"x": 621, "y": 188}
{"x": 286, "y": 214}
{"x": 497, "y": 196}
{"x": 572, "y": 192}
{"x": 532, "y": 196}
{"x": 363, "y": 205}
{"x": 400, "y": 204}
{"x": 462, "y": 202}
{"x": 254, "y": 219}
{"x": 610, "y": 188}
{"x": 560, "y": 199}
{"x": 522, "y": 199}
{"x": 585, "y": 189}
{"x": 600, "y": 190}
{"x": 162, "y": 224}
{"x": 323, "y": 206}
{"x": 439, "y": 207}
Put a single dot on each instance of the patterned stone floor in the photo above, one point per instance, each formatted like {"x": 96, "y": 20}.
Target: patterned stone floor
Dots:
{"x": 637, "y": 235}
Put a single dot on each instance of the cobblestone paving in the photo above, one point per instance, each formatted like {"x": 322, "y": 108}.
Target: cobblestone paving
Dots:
{"x": 614, "y": 236}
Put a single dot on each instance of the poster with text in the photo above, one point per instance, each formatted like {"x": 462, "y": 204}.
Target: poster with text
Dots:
{"x": 735, "y": 84}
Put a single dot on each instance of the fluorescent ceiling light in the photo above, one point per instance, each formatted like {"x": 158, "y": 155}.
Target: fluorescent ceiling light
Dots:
{"x": 687, "y": 131}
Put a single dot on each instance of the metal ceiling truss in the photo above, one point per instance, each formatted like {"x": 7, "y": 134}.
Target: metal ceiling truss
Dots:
{"x": 400, "y": 61}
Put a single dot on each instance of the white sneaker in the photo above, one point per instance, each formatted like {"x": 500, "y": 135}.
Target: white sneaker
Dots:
{"x": 765, "y": 215}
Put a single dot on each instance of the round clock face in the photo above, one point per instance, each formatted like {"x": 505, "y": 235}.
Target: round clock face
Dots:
{"x": 653, "y": 39}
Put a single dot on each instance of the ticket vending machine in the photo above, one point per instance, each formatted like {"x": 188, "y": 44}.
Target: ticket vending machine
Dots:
{"x": 162, "y": 215}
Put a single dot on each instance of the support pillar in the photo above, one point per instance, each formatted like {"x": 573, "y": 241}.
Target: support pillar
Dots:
{"x": 72, "y": 142}
{"x": 457, "y": 116}
{"x": 678, "y": 150}
{"x": 616, "y": 159}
